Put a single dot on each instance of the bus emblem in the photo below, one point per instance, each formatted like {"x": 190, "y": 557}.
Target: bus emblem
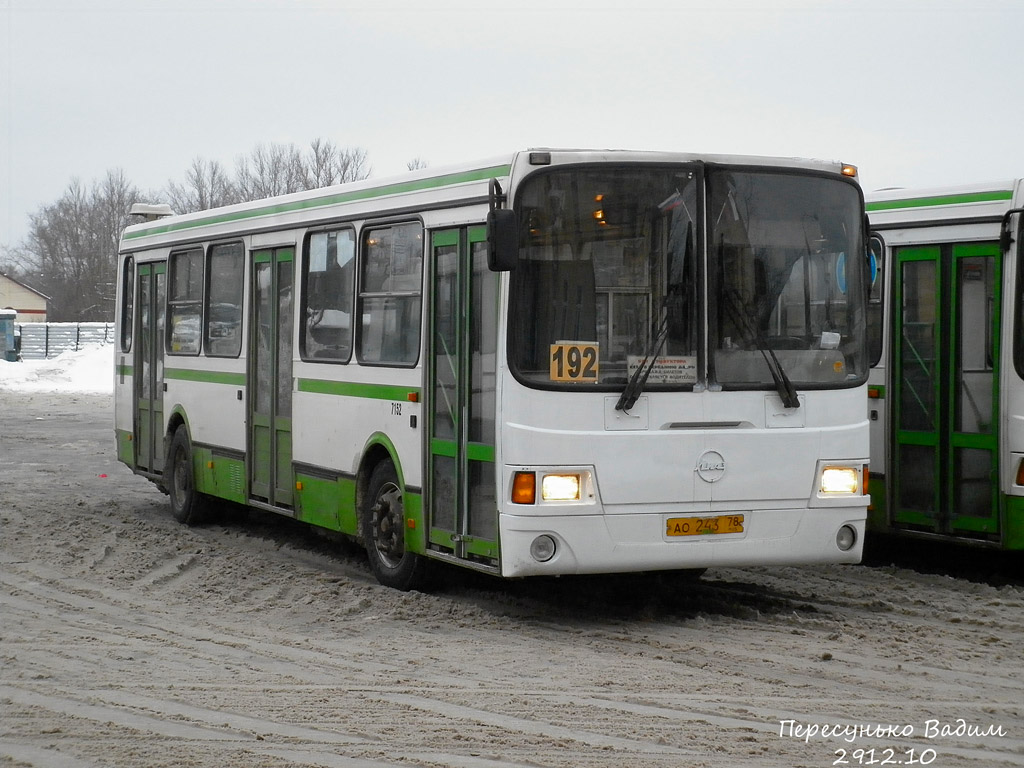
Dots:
{"x": 711, "y": 466}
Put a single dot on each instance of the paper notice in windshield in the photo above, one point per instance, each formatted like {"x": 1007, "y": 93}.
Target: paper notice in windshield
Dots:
{"x": 667, "y": 370}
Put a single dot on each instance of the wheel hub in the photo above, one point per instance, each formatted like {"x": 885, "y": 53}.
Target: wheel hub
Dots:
{"x": 387, "y": 521}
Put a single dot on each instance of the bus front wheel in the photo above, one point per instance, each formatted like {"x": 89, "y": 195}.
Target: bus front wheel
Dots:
{"x": 384, "y": 533}
{"x": 187, "y": 504}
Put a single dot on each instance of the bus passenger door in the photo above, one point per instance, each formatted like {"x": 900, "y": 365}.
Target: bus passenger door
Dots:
{"x": 270, "y": 378}
{"x": 946, "y": 352}
{"x": 462, "y": 508}
{"x": 149, "y": 367}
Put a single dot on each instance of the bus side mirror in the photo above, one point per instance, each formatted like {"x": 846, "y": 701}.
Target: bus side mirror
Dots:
{"x": 502, "y": 240}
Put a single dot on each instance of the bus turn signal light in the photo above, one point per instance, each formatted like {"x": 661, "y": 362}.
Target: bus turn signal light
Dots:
{"x": 524, "y": 488}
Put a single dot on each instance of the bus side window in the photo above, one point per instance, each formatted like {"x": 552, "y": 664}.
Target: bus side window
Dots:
{"x": 127, "y": 304}
{"x": 389, "y": 297}
{"x": 185, "y": 302}
{"x": 224, "y": 300}
{"x": 1018, "y": 353}
{"x": 329, "y": 276}
{"x": 875, "y": 317}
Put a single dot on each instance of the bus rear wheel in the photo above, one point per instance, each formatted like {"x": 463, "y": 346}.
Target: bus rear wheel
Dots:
{"x": 187, "y": 505}
{"x": 384, "y": 533}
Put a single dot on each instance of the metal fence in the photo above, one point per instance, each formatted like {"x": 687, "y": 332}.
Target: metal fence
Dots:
{"x": 45, "y": 340}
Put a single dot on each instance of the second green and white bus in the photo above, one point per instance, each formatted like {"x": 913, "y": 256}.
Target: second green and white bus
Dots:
{"x": 554, "y": 362}
{"x": 947, "y": 386}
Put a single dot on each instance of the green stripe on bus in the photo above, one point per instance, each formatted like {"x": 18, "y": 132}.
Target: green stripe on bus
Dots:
{"x": 443, "y": 448}
{"x": 125, "y": 446}
{"x": 474, "y": 451}
{"x": 433, "y": 182}
{"x": 447, "y": 237}
{"x": 1013, "y": 536}
{"x": 207, "y": 377}
{"x": 926, "y": 202}
{"x": 353, "y": 389}
{"x": 478, "y": 452}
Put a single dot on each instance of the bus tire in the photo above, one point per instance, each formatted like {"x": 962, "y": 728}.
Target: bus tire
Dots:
{"x": 187, "y": 504}
{"x": 383, "y": 523}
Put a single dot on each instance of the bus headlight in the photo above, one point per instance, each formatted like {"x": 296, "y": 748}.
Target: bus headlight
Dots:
{"x": 560, "y": 488}
{"x": 550, "y": 487}
{"x": 840, "y": 480}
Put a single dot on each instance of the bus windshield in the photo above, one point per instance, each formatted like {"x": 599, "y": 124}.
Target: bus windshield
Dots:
{"x": 692, "y": 275}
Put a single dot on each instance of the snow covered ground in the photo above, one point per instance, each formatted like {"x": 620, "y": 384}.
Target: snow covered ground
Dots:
{"x": 89, "y": 370}
{"x": 130, "y": 641}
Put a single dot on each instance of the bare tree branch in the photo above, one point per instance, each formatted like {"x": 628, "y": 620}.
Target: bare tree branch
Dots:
{"x": 206, "y": 185}
{"x": 71, "y": 248}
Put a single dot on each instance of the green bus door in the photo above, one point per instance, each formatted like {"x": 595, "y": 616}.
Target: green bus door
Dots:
{"x": 945, "y": 356}
{"x": 270, "y": 378}
{"x": 462, "y": 508}
{"x": 149, "y": 367}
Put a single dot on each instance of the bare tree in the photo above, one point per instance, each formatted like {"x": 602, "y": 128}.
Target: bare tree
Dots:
{"x": 71, "y": 248}
{"x": 206, "y": 185}
{"x": 70, "y": 253}
{"x": 270, "y": 169}
{"x": 417, "y": 163}
{"x": 328, "y": 164}
{"x": 352, "y": 165}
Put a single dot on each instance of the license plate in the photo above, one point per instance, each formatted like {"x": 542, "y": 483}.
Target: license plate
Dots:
{"x": 703, "y": 526}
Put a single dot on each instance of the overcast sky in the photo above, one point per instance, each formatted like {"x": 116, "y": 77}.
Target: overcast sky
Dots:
{"x": 914, "y": 92}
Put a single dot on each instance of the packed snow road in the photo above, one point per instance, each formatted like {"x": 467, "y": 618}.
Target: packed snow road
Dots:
{"x": 129, "y": 640}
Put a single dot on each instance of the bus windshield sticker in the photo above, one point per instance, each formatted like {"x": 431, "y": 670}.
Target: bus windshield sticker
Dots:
{"x": 667, "y": 370}
{"x": 574, "y": 361}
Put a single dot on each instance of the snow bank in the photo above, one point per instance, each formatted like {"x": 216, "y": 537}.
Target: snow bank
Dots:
{"x": 89, "y": 370}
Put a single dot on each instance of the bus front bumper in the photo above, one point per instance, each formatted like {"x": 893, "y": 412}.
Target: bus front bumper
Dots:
{"x": 533, "y": 545}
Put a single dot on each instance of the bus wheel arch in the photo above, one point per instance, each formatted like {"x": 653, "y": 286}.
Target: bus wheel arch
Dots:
{"x": 188, "y": 505}
{"x": 382, "y": 527}
{"x": 176, "y": 420}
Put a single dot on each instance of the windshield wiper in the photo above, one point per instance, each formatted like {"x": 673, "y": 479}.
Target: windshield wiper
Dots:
{"x": 785, "y": 388}
{"x": 783, "y": 385}
{"x": 677, "y": 266}
{"x": 638, "y": 380}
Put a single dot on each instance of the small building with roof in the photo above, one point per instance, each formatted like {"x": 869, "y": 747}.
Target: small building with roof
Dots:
{"x": 29, "y": 303}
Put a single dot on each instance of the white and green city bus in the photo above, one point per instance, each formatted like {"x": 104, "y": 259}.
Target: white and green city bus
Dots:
{"x": 947, "y": 383}
{"x": 555, "y": 362}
